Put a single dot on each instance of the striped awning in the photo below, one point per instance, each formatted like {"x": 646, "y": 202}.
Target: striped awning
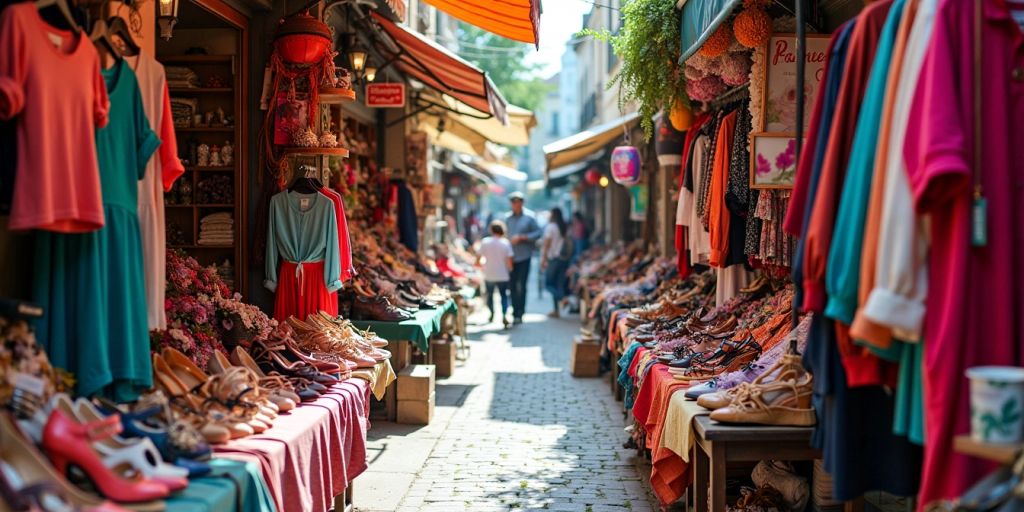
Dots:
{"x": 442, "y": 70}
{"x": 518, "y": 20}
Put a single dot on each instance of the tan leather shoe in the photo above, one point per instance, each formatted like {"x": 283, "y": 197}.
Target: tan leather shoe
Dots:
{"x": 786, "y": 403}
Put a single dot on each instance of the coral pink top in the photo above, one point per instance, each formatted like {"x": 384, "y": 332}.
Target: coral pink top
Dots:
{"x": 52, "y": 78}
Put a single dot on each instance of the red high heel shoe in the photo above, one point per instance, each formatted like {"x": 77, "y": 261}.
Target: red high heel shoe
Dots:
{"x": 68, "y": 442}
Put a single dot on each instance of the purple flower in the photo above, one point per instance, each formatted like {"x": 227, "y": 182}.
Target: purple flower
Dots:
{"x": 787, "y": 157}
{"x": 763, "y": 166}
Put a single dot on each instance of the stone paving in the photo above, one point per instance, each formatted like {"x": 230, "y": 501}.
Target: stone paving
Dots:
{"x": 514, "y": 431}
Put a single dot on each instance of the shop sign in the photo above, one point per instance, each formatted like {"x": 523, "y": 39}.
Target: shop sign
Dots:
{"x": 388, "y": 95}
{"x": 637, "y": 202}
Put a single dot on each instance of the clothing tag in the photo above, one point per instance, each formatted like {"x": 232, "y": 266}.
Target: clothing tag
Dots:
{"x": 979, "y": 222}
{"x": 29, "y": 383}
{"x": 304, "y": 204}
{"x": 56, "y": 39}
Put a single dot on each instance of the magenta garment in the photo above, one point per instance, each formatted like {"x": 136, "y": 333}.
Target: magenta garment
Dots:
{"x": 974, "y": 301}
{"x": 311, "y": 453}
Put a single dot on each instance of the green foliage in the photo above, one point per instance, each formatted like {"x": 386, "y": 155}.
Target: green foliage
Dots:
{"x": 648, "y": 45}
{"x": 504, "y": 60}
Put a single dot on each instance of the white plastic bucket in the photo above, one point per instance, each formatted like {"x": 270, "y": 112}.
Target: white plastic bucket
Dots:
{"x": 997, "y": 404}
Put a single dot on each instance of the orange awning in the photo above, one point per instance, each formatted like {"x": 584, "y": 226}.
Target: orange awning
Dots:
{"x": 442, "y": 70}
{"x": 518, "y": 20}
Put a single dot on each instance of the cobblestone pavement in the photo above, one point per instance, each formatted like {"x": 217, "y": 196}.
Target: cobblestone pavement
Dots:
{"x": 526, "y": 435}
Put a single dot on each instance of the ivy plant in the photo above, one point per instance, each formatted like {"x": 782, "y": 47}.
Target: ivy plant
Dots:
{"x": 648, "y": 45}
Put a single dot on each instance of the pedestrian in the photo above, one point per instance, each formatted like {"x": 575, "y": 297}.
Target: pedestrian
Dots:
{"x": 580, "y": 232}
{"x": 555, "y": 256}
{"x": 523, "y": 233}
{"x": 495, "y": 258}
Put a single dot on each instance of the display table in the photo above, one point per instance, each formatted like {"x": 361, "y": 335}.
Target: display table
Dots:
{"x": 313, "y": 452}
{"x": 719, "y": 444}
{"x": 232, "y": 485}
{"x": 417, "y": 330}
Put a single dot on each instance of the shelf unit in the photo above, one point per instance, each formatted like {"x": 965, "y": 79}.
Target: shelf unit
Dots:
{"x": 186, "y": 218}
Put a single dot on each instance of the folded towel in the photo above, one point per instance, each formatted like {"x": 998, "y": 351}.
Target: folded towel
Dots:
{"x": 217, "y": 216}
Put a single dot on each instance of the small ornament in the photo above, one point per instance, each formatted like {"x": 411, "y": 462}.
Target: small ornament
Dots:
{"x": 227, "y": 153}
{"x": 218, "y": 116}
{"x": 186, "y": 192}
{"x": 626, "y": 165}
{"x": 343, "y": 79}
{"x": 203, "y": 155}
{"x": 305, "y": 138}
{"x": 215, "y": 82}
{"x": 328, "y": 140}
{"x": 215, "y": 160}
{"x": 719, "y": 42}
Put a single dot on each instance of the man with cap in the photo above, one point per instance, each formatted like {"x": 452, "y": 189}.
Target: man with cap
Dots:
{"x": 523, "y": 232}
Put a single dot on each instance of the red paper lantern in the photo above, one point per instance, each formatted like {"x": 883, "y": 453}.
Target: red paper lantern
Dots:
{"x": 592, "y": 176}
{"x": 302, "y": 40}
{"x": 626, "y": 165}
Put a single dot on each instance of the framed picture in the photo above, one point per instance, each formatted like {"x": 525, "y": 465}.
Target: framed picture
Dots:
{"x": 780, "y": 80}
{"x": 773, "y": 160}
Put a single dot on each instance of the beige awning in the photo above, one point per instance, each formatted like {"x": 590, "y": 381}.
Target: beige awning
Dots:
{"x": 586, "y": 143}
{"x": 465, "y": 132}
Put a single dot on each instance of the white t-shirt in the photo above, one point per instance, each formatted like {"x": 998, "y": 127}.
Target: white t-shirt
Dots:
{"x": 552, "y": 233}
{"x": 495, "y": 252}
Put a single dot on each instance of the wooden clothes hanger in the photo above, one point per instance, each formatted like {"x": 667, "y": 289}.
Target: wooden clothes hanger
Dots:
{"x": 116, "y": 26}
{"x": 64, "y": 9}
{"x": 100, "y": 36}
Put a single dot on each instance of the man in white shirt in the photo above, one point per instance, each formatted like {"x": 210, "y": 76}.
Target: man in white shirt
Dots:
{"x": 495, "y": 258}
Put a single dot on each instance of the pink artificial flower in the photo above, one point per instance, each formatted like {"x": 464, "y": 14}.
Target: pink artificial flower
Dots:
{"x": 787, "y": 157}
{"x": 763, "y": 166}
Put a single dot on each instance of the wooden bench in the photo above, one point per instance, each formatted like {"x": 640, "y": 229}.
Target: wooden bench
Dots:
{"x": 718, "y": 444}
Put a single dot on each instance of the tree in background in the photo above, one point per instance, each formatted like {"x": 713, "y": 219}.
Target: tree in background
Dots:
{"x": 504, "y": 60}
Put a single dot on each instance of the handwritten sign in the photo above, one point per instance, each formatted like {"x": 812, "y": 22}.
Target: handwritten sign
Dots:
{"x": 780, "y": 80}
{"x": 386, "y": 95}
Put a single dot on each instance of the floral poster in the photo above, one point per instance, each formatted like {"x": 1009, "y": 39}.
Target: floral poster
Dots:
{"x": 773, "y": 160}
{"x": 780, "y": 80}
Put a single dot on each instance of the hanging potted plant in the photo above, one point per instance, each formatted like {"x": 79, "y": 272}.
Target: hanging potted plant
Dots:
{"x": 648, "y": 44}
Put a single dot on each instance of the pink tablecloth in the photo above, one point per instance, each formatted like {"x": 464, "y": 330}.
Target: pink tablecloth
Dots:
{"x": 312, "y": 453}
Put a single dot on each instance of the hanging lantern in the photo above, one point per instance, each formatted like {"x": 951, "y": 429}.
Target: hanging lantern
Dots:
{"x": 681, "y": 116}
{"x": 668, "y": 143}
{"x": 626, "y": 165}
{"x": 302, "y": 40}
{"x": 592, "y": 176}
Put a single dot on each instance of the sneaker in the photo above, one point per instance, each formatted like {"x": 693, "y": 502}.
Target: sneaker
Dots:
{"x": 517, "y": 320}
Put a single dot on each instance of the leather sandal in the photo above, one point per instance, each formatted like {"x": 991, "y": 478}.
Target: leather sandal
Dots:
{"x": 781, "y": 402}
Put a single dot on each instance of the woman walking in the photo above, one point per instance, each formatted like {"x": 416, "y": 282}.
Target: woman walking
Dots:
{"x": 555, "y": 255}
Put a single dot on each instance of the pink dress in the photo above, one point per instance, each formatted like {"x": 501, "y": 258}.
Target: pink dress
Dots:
{"x": 51, "y": 80}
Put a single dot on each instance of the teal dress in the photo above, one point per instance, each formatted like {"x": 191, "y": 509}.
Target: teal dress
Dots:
{"x": 91, "y": 284}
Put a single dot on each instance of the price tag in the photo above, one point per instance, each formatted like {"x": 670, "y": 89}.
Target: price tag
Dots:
{"x": 304, "y": 204}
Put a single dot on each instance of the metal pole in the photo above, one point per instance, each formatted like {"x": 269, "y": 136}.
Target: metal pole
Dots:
{"x": 801, "y": 58}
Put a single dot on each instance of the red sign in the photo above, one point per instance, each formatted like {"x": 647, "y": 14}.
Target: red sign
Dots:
{"x": 391, "y": 95}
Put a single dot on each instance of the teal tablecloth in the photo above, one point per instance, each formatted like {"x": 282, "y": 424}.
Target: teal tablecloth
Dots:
{"x": 233, "y": 486}
{"x": 418, "y": 329}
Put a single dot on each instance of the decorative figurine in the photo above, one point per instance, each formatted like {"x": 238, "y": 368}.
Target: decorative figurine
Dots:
{"x": 203, "y": 155}
{"x": 343, "y": 78}
{"x": 305, "y": 138}
{"x": 328, "y": 140}
{"x": 218, "y": 116}
{"x": 227, "y": 153}
{"x": 215, "y": 160}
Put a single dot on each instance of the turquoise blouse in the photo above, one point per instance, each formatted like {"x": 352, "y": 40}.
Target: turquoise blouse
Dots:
{"x": 302, "y": 229}
{"x": 842, "y": 276}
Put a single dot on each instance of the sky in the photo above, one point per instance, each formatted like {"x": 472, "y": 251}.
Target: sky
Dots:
{"x": 560, "y": 20}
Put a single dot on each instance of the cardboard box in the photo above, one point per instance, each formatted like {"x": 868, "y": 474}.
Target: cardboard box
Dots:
{"x": 444, "y": 358}
{"x": 416, "y": 382}
{"x": 416, "y": 412}
{"x": 585, "y": 359}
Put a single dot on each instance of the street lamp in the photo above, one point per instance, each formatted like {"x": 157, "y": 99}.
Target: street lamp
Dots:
{"x": 371, "y": 73}
{"x": 357, "y": 56}
{"x": 167, "y": 17}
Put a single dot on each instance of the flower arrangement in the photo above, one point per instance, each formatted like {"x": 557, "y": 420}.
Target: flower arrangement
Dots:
{"x": 202, "y": 313}
{"x": 705, "y": 89}
{"x": 719, "y": 42}
{"x": 752, "y": 27}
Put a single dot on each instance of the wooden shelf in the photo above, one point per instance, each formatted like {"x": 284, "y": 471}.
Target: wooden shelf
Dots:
{"x": 296, "y": 151}
{"x": 222, "y": 129}
{"x": 193, "y": 247}
{"x": 201, "y": 90}
{"x": 209, "y": 168}
{"x": 196, "y": 59}
{"x": 336, "y": 95}
{"x": 211, "y": 205}
{"x": 1001, "y": 453}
